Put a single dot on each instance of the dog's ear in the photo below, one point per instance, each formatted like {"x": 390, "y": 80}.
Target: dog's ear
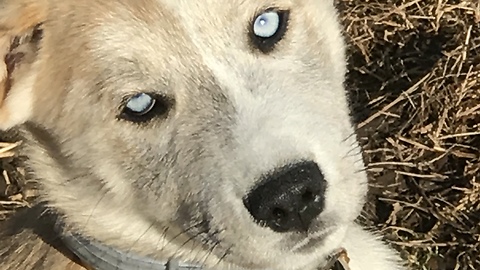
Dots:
{"x": 20, "y": 36}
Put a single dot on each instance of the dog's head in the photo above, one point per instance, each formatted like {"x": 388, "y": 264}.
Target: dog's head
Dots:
{"x": 212, "y": 131}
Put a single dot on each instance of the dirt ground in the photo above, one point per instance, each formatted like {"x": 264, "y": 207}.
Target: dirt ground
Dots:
{"x": 414, "y": 80}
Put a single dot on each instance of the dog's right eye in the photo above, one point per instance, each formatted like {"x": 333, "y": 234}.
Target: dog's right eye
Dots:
{"x": 143, "y": 107}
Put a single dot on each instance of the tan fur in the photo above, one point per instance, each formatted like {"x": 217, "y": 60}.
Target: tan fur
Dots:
{"x": 16, "y": 19}
{"x": 173, "y": 187}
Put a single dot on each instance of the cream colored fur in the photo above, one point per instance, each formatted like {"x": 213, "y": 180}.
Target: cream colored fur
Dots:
{"x": 238, "y": 113}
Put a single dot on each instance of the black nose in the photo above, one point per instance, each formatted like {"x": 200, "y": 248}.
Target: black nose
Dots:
{"x": 288, "y": 199}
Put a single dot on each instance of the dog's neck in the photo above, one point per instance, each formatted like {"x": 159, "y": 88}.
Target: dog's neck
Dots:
{"x": 97, "y": 256}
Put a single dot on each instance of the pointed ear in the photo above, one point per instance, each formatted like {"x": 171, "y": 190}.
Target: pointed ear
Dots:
{"x": 20, "y": 35}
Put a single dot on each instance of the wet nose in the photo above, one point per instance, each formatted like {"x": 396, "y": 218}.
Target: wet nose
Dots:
{"x": 288, "y": 199}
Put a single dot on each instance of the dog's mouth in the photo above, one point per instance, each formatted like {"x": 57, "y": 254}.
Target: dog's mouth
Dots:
{"x": 310, "y": 243}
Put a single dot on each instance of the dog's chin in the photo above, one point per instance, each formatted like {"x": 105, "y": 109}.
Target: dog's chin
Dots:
{"x": 297, "y": 251}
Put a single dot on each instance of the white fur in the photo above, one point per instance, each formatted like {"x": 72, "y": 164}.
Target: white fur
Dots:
{"x": 367, "y": 252}
{"x": 18, "y": 105}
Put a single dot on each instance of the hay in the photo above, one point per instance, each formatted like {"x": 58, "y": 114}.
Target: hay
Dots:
{"x": 12, "y": 181}
{"x": 415, "y": 81}
{"x": 415, "y": 87}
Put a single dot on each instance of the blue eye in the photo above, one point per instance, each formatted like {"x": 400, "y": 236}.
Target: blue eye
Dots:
{"x": 268, "y": 28}
{"x": 140, "y": 104}
{"x": 143, "y": 107}
{"x": 267, "y": 24}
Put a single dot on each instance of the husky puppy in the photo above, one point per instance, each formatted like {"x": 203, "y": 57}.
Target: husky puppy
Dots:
{"x": 211, "y": 133}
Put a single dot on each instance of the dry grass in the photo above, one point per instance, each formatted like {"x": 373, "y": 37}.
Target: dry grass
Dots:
{"x": 415, "y": 81}
{"x": 12, "y": 181}
{"x": 415, "y": 75}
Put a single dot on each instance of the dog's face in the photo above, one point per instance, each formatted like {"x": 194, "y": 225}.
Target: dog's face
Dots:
{"x": 213, "y": 131}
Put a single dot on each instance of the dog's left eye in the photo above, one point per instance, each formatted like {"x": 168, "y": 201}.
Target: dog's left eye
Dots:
{"x": 268, "y": 29}
{"x": 140, "y": 104}
{"x": 143, "y": 107}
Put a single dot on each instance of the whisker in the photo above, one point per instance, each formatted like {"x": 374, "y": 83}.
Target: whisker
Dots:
{"x": 93, "y": 210}
{"x": 354, "y": 133}
{"x": 186, "y": 231}
{"x": 364, "y": 169}
{"x": 210, "y": 253}
{"x": 225, "y": 254}
{"x": 75, "y": 178}
{"x": 141, "y": 236}
{"x": 186, "y": 242}
{"x": 351, "y": 152}
{"x": 164, "y": 236}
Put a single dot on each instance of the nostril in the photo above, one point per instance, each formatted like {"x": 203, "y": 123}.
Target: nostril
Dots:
{"x": 279, "y": 217}
{"x": 308, "y": 197}
{"x": 278, "y": 213}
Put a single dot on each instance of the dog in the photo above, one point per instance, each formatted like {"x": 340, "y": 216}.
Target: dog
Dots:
{"x": 210, "y": 134}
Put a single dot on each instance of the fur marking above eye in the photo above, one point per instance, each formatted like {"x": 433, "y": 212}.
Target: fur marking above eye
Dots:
{"x": 266, "y": 24}
{"x": 140, "y": 104}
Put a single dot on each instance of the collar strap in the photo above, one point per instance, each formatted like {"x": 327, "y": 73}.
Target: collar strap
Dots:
{"x": 100, "y": 257}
